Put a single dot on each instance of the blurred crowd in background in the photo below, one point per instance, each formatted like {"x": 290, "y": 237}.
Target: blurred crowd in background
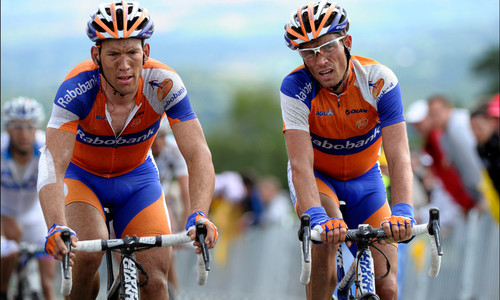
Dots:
{"x": 457, "y": 166}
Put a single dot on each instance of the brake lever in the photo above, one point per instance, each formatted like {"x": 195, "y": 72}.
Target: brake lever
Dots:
{"x": 201, "y": 233}
{"x": 434, "y": 228}
{"x": 66, "y": 237}
{"x": 305, "y": 236}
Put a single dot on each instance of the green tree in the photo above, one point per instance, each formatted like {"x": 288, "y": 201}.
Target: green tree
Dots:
{"x": 251, "y": 138}
{"x": 488, "y": 66}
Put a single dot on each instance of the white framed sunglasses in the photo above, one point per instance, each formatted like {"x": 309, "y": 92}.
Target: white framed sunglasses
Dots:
{"x": 327, "y": 48}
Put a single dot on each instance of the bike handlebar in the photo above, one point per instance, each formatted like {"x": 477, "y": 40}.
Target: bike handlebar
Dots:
{"x": 366, "y": 233}
{"x": 167, "y": 240}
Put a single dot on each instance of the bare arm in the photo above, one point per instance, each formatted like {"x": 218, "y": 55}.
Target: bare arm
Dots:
{"x": 397, "y": 151}
{"x": 301, "y": 157}
{"x": 300, "y": 153}
{"x": 57, "y": 155}
{"x": 60, "y": 145}
{"x": 194, "y": 148}
{"x": 184, "y": 188}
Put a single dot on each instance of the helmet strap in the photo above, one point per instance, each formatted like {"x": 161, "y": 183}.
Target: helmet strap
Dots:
{"x": 115, "y": 91}
{"x": 348, "y": 56}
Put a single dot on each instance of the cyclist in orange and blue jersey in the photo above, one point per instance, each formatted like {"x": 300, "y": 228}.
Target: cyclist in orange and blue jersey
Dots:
{"x": 104, "y": 119}
{"x": 337, "y": 109}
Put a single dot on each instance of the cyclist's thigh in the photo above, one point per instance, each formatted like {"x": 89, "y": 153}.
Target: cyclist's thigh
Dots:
{"x": 11, "y": 229}
{"x": 156, "y": 262}
{"x": 84, "y": 212}
{"x": 391, "y": 251}
{"x": 366, "y": 199}
{"x": 144, "y": 213}
{"x": 328, "y": 196}
{"x": 149, "y": 221}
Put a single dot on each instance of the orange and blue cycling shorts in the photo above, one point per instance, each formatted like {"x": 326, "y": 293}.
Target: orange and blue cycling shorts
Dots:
{"x": 365, "y": 196}
{"x": 136, "y": 198}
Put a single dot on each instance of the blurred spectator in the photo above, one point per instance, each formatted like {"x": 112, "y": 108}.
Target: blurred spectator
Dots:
{"x": 493, "y": 111}
{"x": 458, "y": 142}
{"x": 229, "y": 186}
{"x": 277, "y": 208}
{"x": 417, "y": 115}
{"x": 433, "y": 195}
{"x": 226, "y": 210}
{"x": 253, "y": 206}
{"x": 171, "y": 164}
{"x": 484, "y": 122}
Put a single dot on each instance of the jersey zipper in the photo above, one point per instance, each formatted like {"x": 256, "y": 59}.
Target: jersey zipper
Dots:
{"x": 344, "y": 165}
{"x": 129, "y": 118}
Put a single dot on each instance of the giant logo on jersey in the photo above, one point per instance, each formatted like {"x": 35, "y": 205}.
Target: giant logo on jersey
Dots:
{"x": 112, "y": 141}
{"x": 164, "y": 87}
{"x": 346, "y": 146}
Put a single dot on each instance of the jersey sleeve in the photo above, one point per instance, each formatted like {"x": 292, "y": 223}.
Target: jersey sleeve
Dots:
{"x": 390, "y": 107}
{"x": 296, "y": 94}
{"x": 167, "y": 92}
{"x": 72, "y": 99}
{"x": 387, "y": 95}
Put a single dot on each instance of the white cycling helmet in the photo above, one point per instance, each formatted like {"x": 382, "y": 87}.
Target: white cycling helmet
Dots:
{"x": 120, "y": 20}
{"x": 313, "y": 20}
{"x": 23, "y": 108}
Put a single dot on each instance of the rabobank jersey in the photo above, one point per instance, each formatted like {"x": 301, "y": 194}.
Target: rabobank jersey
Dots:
{"x": 345, "y": 129}
{"x": 19, "y": 193}
{"x": 80, "y": 107}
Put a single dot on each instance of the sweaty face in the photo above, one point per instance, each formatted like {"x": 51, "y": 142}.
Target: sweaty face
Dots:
{"x": 328, "y": 68}
{"x": 22, "y": 136}
{"x": 122, "y": 61}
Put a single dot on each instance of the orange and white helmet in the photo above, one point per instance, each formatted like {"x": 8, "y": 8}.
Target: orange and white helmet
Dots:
{"x": 314, "y": 20}
{"x": 119, "y": 20}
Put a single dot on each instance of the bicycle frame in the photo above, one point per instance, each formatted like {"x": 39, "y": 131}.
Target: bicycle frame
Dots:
{"x": 27, "y": 255}
{"x": 126, "y": 285}
{"x": 365, "y": 282}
